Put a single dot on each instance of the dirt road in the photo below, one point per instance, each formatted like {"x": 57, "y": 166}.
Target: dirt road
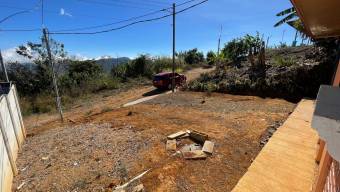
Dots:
{"x": 100, "y": 151}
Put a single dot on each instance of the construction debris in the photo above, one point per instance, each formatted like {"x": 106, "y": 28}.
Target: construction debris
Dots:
{"x": 208, "y": 147}
{"x": 192, "y": 147}
{"x": 176, "y": 135}
{"x": 198, "y": 154}
{"x": 171, "y": 145}
{"x": 198, "y": 137}
{"x": 194, "y": 150}
{"x": 131, "y": 181}
{"x": 138, "y": 188}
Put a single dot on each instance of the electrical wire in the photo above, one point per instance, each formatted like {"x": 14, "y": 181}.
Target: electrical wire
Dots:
{"x": 127, "y": 25}
{"x": 122, "y": 21}
{"x": 114, "y": 23}
{"x": 155, "y": 3}
{"x": 19, "y": 30}
{"x": 21, "y": 12}
{"x": 115, "y": 4}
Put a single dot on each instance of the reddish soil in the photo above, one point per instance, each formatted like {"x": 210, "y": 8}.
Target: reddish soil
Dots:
{"x": 98, "y": 151}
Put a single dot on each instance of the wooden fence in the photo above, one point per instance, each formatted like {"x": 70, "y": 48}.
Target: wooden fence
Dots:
{"x": 12, "y": 134}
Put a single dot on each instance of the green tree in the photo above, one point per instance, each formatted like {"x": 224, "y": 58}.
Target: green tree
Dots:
{"x": 83, "y": 71}
{"x": 38, "y": 53}
{"x": 211, "y": 58}
{"x": 240, "y": 47}
{"x": 193, "y": 56}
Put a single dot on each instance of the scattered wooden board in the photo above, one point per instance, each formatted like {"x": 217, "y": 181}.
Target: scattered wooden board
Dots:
{"x": 171, "y": 145}
{"x": 176, "y": 135}
{"x": 198, "y": 154}
{"x": 208, "y": 147}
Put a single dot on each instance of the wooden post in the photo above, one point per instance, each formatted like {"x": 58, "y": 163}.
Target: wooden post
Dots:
{"x": 8, "y": 147}
{"x": 173, "y": 84}
{"x": 320, "y": 150}
{"x": 336, "y": 78}
{"x": 3, "y": 68}
{"x": 324, "y": 167}
{"x": 54, "y": 78}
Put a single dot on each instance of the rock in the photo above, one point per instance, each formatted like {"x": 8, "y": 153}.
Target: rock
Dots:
{"x": 138, "y": 188}
{"x": 192, "y": 147}
{"x": 176, "y": 135}
{"x": 198, "y": 137}
{"x": 171, "y": 145}
{"x": 208, "y": 147}
{"x": 198, "y": 154}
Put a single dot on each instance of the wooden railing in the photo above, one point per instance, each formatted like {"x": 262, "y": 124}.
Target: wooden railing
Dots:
{"x": 328, "y": 175}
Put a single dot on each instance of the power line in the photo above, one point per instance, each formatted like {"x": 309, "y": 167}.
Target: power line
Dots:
{"x": 21, "y": 12}
{"x": 19, "y": 30}
{"x": 54, "y": 12}
{"x": 184, "y": 3}
{"x": 115, "y": 4}
{"x": 127, "y": 25}
{"x": 114, "y": 23}
{"x": 122, "y": 21}
{"x": 156, "y": 3}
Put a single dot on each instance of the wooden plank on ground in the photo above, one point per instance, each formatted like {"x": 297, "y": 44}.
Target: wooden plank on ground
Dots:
{"x": 287, "y": 162}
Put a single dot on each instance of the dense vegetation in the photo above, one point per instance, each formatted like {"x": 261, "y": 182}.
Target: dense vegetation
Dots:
{"x": 287, "y": 72}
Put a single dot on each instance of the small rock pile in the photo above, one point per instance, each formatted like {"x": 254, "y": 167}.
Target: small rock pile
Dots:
{"x": 190, "y": 144}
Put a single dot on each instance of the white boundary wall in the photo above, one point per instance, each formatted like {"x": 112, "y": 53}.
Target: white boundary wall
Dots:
{"x": 12, "y": 135}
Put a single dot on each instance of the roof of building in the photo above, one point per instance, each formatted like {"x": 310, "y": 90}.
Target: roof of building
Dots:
{"x": 321, "y": 18}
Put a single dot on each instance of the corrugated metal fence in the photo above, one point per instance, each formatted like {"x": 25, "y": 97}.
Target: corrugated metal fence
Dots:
{"x": 12, "y": 134}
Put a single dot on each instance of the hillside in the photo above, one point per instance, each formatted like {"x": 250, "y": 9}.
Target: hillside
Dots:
{"x": 291, "y": 73}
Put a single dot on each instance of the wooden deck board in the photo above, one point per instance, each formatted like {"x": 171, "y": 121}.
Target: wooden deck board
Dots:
{"x": 286, "y": 163}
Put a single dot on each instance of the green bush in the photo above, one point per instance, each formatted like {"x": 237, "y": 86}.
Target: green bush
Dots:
{"x": 281, "y": 61}
{"x": 240, "y": 47}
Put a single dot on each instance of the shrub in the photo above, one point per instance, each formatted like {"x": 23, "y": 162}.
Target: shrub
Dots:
{"x": 280, "y": 61}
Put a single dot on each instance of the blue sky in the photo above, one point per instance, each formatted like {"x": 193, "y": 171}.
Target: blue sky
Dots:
{"x": 197, "y": 28}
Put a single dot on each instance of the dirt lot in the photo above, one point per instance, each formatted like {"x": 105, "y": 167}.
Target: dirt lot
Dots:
{"x": 105, "y": 148}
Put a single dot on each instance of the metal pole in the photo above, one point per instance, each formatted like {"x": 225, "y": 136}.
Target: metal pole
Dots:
{"x": 3, "y": 67}
{"x": 173, "y": 45}
{"x": 55, "y": 85}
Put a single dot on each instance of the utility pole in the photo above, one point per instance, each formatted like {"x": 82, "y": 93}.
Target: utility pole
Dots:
{"x": 55, "y": 85}
{"x": 173, "y": 45}
{"x": 267, "y": 44}
{"x": 3, "y": 67}
{"x": 295, "y": 39}
{"x": 219, "y": 42}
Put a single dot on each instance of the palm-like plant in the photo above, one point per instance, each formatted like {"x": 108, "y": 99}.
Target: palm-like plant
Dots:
{"x": 291, "y": 18}
{"x": 290, "y": 15}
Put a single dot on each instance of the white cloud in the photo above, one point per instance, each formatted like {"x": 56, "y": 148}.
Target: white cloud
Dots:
{"x": 79, "y": 57}
{"x": 10, "y": 55}
{"x": 64, "y": 13}
{"x": 103, "y": 57}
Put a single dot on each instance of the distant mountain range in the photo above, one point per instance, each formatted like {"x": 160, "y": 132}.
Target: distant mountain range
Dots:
{"x": 107, "y": 63}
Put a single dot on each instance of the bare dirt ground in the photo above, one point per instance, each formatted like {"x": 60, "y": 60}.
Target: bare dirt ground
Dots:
{"x": 99, "y": 150}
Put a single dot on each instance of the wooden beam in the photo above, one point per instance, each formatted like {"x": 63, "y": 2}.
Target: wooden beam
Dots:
{"x": 336, "y": 81}
{"x": 320, "y": 150}
{"x": 324, "y": 167}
